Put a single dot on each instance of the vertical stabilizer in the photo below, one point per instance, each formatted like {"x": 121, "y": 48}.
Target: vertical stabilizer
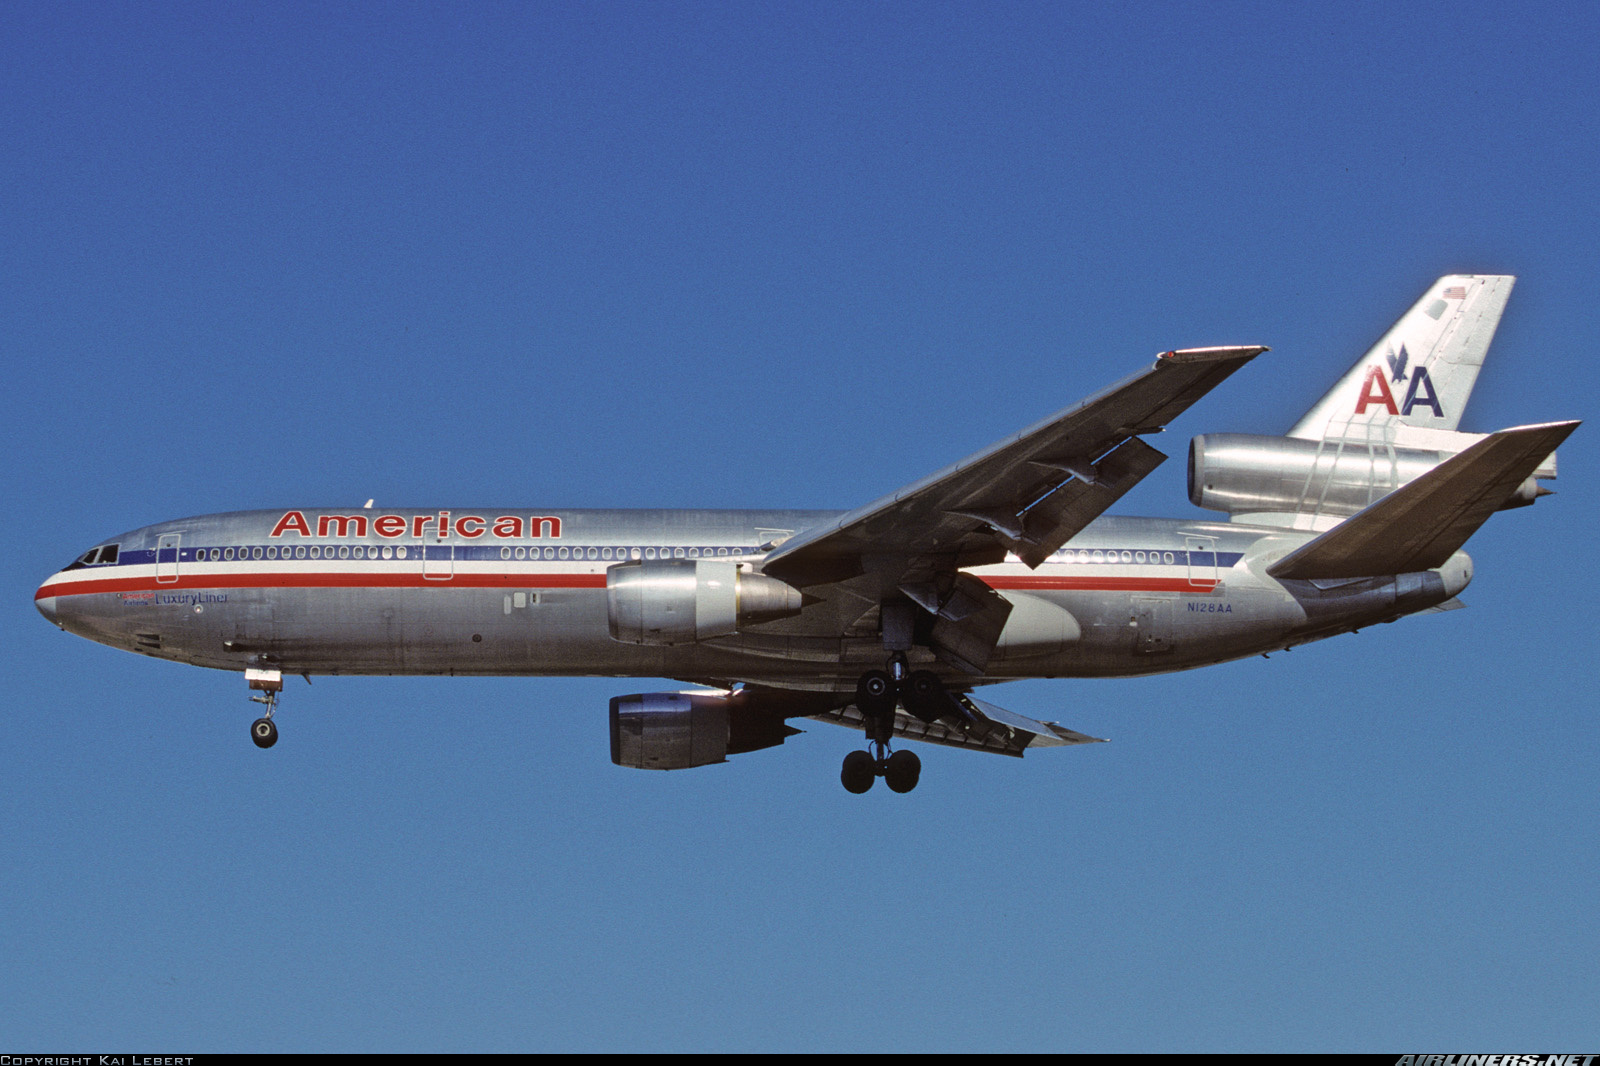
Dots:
{"x": 1421, "y": 373}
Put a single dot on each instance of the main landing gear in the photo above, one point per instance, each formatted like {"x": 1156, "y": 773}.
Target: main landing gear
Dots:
{"x": 269, "y": 683}
{"x": 878, "y": 693}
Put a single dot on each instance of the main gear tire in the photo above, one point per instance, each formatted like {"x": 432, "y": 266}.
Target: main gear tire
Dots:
{"x": 858, "y": 773}
{"x": 876, "y": 694}
{"x": 902, "y": 771}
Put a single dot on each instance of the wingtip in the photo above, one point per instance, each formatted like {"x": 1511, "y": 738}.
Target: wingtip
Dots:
{"x": 1214, "y": 355}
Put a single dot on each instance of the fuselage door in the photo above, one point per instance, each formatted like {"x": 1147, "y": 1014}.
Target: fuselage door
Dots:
{"x": 438, "y": 562}
{"x": 1202, "y": 562}
{"x": 167, "y": 558}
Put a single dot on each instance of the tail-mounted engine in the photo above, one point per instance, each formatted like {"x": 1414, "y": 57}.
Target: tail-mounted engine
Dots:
{"x": 1248, "y": 475}
{"x": 680, "y": 601}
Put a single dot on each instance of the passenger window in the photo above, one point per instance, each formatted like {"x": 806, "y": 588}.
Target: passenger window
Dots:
{"x": 344, "y": 551}
{"x": 388, "y": 551}
{"x": 505, "y": 553}
{"x": 634, "y": 553}
{"x": 677, "y": 553}
{"x": 272, "y": 551}
{"x": 400, "y": 552}
{"x": 649, "y": 553}
{"x": 360, "y": 552}
{"x": 522, "y": 553}
{"x": 300, "y": 552}
{"x": 228, "y": 554}
{"x": 563, "y": 553}
{"x": 549, "y": 553}
{"x": 605, "y": 553}
{"x": 592, "y": 553}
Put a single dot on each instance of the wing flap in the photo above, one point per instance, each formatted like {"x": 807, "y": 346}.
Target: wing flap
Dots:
{"x": 986, "y": 728}
{"x": 1419, "y": 526}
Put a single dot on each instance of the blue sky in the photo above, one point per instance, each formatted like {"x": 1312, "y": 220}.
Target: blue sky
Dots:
{"x": 778, "y": 255}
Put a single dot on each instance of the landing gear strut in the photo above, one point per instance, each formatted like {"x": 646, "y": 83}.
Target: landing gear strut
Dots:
{"x": 878, "y": 693}
{"x": 269, "y": 683}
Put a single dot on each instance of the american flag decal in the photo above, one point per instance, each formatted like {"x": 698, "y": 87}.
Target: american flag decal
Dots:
{"x": 1456, "y": 292}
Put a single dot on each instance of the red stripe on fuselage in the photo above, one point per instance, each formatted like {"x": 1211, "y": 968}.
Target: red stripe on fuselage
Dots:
{"x": 348, "y": 579}
{"x": 1080, "y": 583}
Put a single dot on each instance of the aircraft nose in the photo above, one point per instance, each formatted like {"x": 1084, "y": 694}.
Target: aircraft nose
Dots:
{"x": 47, "y": 607}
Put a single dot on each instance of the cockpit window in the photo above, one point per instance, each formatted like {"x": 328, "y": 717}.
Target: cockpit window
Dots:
{"x": 105, "y": 553}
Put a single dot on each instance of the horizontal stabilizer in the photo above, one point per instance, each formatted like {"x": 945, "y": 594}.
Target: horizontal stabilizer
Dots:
{"x": 1418, "y": 527}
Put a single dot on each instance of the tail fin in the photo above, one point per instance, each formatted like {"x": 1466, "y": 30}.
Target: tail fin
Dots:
{"x": 1421, "y": 373}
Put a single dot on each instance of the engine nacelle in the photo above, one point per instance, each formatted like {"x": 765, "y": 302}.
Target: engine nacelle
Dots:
{"x": 678, "y": 730}
{"x": 1242, "y": 473}
{"x": 669, "y": 730}
{"x": 680, "y": 601}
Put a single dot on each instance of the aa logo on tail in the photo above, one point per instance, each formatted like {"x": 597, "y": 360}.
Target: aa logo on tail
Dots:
{"x": 1375, "y": 392}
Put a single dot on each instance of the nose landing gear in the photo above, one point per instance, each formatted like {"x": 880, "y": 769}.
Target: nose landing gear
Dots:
{"x": 269, "y": 683}
{"x": 878, "y": 693}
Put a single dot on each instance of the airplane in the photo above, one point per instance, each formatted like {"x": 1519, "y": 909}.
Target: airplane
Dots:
{"x": 890, "y": 617}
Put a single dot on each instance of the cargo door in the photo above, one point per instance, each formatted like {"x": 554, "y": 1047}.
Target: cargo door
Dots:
{"x": 1152, "y": 619}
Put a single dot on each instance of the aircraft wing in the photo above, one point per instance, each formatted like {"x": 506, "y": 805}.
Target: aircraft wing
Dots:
{"x": 1027, "y": 494}
{"x": 976, "y": 725}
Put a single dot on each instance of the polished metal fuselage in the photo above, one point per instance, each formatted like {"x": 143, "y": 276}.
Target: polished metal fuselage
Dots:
{"x": 513, "y": 592}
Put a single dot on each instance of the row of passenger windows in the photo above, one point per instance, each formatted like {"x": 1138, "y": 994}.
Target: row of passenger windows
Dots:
{"x": 621, "y": 553}
{"x": 1084, "y": 555}
{"x": 315, "y": 551}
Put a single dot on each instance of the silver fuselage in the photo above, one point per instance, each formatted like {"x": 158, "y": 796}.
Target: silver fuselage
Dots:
{"x": 514, "y": 592}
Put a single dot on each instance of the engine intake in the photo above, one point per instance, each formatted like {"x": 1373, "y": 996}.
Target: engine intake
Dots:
{"x": 681, "y": 601}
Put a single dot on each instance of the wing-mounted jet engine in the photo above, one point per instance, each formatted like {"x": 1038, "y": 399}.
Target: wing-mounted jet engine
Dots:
{"x": 682, "y": 601}
{"x": 679, "y": 730}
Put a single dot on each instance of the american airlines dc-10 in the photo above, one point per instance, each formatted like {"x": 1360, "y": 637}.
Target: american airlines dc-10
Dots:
{"x": 889, "y": 617}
